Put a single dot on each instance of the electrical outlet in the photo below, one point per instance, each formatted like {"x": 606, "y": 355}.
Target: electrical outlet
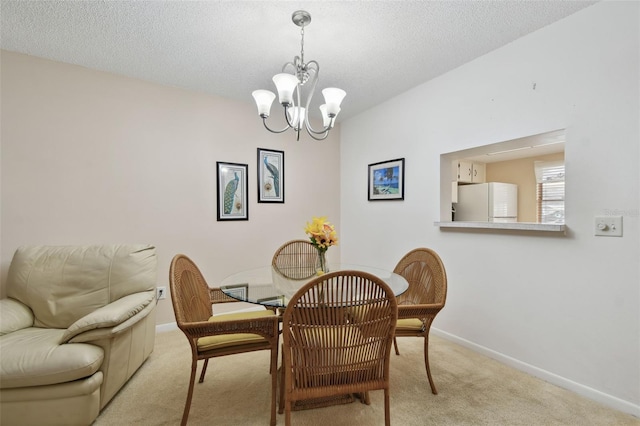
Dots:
{"x": 609, "y": 226}
{"x": 161, "y": 293}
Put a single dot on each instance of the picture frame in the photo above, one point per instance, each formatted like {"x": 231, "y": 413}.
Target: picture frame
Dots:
{"x": 238, "y": 291}
{"x": 270, "y": 176}
{"x": 232, "y": 191}
{"x": 386, "y": 180}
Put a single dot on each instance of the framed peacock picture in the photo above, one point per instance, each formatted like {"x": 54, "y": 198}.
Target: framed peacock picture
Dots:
{"x": 270, "y": 176}
{"x": 232, "y": 188}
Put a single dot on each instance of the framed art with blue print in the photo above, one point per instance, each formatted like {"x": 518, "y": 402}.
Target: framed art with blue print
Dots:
{"x": 270, "y": 176}
{"x": 386, "y": 180}
{"x": 232, "y": 190}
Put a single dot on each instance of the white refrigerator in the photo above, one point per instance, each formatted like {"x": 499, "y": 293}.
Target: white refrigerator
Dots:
{"x": 487, "y": 202}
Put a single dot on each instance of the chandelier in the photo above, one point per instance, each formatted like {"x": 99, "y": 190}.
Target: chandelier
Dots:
{"x": 291, "y": 85}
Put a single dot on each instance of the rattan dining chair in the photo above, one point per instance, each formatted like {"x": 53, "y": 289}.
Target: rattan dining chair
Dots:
{"x": 337, "y": 332}
{"x": 213, "y": 336}
{"x": 425, "y": 297}
{"x": 296, "y": 259}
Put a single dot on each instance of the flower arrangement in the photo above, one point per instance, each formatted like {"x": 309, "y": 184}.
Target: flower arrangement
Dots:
{"x": 322, "y": 233}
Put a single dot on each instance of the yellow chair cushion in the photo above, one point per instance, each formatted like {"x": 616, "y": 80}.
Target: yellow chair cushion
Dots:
{"x": 413, "y": 324}
{"x": 226, "y": 340}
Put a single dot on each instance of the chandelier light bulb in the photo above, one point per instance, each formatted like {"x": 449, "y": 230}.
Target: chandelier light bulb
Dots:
{"x": 297, "y": 116}
{"x": 326, "y": 120}
{"x": 286, "y": 84}
{"x": 333, "y": 98}
{"x": 264, "y": 99}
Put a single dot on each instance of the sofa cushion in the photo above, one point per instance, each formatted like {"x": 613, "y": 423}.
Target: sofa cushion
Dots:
{"x": 33, "y": 357}
{"x": 14, "y": 316}
{"x": 62, "y": 284}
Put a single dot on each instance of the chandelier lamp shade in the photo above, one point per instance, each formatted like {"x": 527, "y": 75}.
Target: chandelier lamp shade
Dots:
{"x": 295, "y": 86}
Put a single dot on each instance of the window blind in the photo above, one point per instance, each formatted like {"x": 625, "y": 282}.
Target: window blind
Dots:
{"x": 550, "y": 191}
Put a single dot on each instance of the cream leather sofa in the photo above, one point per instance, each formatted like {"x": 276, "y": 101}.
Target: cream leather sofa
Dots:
{"x": 77, "y": 322}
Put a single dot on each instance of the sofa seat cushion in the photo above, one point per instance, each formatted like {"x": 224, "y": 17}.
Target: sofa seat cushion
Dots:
{"x": 34, "y": 357}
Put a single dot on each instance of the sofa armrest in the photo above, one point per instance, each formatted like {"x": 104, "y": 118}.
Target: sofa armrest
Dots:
{"x": 111, "y": 315}
{"x": 14, "y": 316}
{"x": 92, "y": 336}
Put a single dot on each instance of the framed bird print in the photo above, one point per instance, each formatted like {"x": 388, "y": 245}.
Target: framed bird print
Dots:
{"x": 232, "y": 189}
{"x": 270, "y": 176}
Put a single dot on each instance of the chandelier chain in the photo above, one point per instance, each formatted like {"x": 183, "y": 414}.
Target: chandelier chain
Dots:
{"x": 302, "y": 45}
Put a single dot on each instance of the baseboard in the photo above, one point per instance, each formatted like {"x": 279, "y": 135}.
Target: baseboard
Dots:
{"x": 580, "y": 389}
{"x": 163, "y": 328}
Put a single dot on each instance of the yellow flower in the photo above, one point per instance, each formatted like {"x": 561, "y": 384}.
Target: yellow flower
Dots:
{"x": 322, "y": 233}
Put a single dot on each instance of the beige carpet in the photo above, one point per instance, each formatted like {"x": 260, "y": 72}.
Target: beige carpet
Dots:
{"x": 472, "y": 390}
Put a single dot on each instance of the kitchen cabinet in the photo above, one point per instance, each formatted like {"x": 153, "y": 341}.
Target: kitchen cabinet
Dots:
{"x": 468, "y": 171}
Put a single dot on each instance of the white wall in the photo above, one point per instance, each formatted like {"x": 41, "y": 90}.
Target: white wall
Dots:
{"x": 576, "y": 322}
{"x": 90, "y": 157}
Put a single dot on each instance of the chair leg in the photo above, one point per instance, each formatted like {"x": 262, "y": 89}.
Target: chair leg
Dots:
{"x": 204, "y": 370}
{"x": 426, "y": 363}
{"x": 281, "y": 403}
{"x": 187, "y": 405}
{"x": 395, "y": 345}
{"x": 274, "y": 382}
{"x": 287, "y": 414}
{"x": 387, "y": 414}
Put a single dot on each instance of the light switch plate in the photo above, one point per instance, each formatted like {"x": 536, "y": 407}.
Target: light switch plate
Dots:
{"x": 608, "y": 226}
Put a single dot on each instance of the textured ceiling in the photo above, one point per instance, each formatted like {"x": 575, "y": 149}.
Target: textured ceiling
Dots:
{"x": 372, "y": 49}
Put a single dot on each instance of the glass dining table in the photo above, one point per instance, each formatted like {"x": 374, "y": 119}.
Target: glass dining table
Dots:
{"x": 271, "y": 287}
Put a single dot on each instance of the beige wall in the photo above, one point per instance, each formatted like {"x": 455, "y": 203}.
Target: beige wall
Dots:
{"x": 90, "y": 157}
{"x": 522, "y": 173}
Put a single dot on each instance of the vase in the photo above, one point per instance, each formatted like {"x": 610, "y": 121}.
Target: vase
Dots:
{"x": 323, "y": 266}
